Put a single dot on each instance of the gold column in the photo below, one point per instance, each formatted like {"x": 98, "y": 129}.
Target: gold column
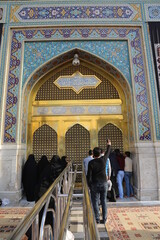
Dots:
{"x": 94, "y": 134}
{"x": 61, "y": 138}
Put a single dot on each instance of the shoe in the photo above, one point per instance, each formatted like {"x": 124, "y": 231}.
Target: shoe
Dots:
{"x": 104, "y": 221}
{"x": 97, "y": 221}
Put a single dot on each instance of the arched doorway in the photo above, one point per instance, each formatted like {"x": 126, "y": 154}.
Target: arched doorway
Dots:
{"x": 77, "y": 144}
{"x": 101, "y": 102}
{"x": 114, "y": 134}
{"x": 44, "y": 142}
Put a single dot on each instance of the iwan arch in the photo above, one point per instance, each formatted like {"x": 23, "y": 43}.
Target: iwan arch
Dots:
{"x": 80, "y": 116}
{"x": 121, "y": 99}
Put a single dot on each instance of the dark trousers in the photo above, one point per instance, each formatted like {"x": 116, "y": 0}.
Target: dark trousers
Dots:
{"x": 114, "y": 184}
{"x": 99, "y": 190}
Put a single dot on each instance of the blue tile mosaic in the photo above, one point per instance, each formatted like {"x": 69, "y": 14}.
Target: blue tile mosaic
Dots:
{"x": 115, "y": 52}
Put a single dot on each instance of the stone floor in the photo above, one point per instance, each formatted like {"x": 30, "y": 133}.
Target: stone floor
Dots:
{"x": 133, "y": 202}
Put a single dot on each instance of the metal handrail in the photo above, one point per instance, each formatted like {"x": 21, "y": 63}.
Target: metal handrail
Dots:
{"x": 32, "y": 217}
{"x": 64, "y": 223}
{"x": 63, "y": 203}
{"x": 91, "y": 230}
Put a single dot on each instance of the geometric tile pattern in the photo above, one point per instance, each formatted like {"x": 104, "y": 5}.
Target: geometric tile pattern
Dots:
{"x": 133, "y": 34}
{"x": 43, "y": 13}
{"x": 152, "y": 12}
{"x": 141, "y": 223}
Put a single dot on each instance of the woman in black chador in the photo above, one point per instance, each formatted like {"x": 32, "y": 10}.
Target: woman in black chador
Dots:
{"x": 43, "y": 162}
{"x": 29, "y": 177}
{"x": 64, "y": 161}
{"x": 48, "y": 175}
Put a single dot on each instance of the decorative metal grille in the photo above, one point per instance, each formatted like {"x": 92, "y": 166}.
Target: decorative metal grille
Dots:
{"x": 114, "y": 134}
{"x": 77, "y": 145}
{"x": 49, "y": 91}
{"x": 44, "y": 142}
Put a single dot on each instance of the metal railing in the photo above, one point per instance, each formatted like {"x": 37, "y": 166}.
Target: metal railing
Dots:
{"x": 60, "y": 214}
{"x": 91, "y": 230}
{"x": 64, "y": 223}
{"x": 31, "y": 221}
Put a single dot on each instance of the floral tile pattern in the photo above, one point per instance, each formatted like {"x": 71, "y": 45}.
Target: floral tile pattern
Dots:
{"x": 142, "y": 223}
{"x": 44, "y": 13}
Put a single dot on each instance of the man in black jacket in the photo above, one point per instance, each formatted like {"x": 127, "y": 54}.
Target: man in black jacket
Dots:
{"x": 97, "y": 181}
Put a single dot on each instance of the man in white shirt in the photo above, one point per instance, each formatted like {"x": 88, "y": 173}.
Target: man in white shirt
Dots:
{"x": 128, "y": 174}
{"x": 86, "y": 161}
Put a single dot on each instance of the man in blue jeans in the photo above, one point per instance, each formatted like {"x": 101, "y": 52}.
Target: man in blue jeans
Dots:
{"x": 120, "y": 175}
{"x": 97, "y": 181}
{"x": 128, "y": 175}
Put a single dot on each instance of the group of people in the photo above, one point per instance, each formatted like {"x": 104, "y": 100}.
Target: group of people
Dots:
{"x": 101, "y": 169}
{"x": 37, "y": 177}
{"x": 122, "y": 166}
{"x": 104, "y": 169}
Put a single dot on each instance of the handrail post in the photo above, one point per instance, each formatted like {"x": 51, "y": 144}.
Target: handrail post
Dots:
{"x": 35, "y": 228}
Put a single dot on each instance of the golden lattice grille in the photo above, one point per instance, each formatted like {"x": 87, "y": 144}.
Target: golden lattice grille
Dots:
{"x": 49, "y": 91}
{"x": 114, "y": 134}
{"x": 77, "y": 144}
{"x": 44, "y": 142}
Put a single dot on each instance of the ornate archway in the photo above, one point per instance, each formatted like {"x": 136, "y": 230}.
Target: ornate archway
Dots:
{"x": 106, "y": 100}
{"x": 107, "y": 91}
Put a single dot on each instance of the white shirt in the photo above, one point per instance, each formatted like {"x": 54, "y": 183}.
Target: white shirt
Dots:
{"x": 128, "y": 165}
{"x": 85, "y": 162}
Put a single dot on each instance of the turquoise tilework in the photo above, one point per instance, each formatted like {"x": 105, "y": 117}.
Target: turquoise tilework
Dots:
{"x": 115, "y": 52}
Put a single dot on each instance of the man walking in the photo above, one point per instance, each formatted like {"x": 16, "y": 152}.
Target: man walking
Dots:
{"x": 97, "y": 181}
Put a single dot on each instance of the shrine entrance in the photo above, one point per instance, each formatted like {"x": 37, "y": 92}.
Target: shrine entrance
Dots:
{"x": 72, "y": 109}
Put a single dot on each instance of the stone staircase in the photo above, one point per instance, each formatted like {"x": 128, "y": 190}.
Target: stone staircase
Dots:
{"x": 76, "y": 218}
